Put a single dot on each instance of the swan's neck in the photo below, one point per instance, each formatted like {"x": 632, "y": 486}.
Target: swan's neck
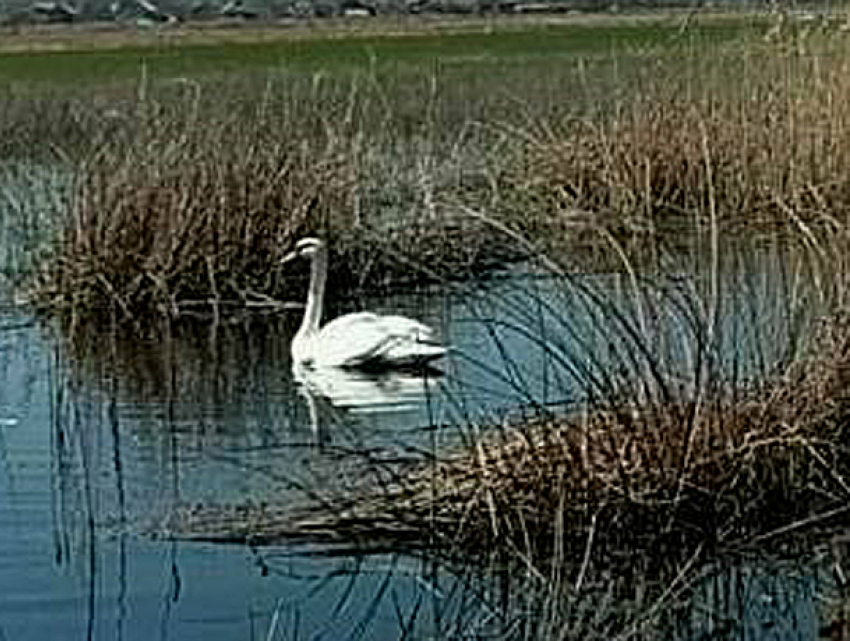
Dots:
{"x": 315, "y": 295}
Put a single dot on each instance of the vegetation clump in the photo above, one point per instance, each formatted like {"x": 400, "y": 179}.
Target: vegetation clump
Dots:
{"x": 174, "y": 223}
{"x": 174, "y": 216}
{"x": 764, "y": 155}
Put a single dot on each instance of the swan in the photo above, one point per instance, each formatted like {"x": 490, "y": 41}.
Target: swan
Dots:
{"x": 362, "y": 340}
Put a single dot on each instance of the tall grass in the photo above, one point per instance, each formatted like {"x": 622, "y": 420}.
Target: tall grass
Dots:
{"x": 756, "y": 146}
{"x": 199, "y": 191}
{"x": 379, "y": 152}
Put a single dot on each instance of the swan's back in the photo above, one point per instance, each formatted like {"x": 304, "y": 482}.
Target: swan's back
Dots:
{"x": 372, "y": 341}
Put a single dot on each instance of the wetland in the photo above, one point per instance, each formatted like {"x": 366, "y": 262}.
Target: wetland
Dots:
{"x": 631, "y": 234}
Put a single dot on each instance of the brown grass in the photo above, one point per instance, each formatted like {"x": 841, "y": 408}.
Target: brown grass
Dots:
{"x": 389, "y": 172}
{"x": 759, "y": 146}
{"x": 712, "y": 465}
{"x": 170, "y": 213}
{"x": 176, "y": 222}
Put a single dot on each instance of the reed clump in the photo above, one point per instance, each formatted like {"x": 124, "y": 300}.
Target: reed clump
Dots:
{"x": 175, "y": 213}
{"x": 727, "y": 473}
{"x": 758, "y": 145}
{"x": 172, "y": 223}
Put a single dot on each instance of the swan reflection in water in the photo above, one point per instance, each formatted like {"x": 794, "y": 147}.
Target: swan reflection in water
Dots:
{"x": 358, "y": 392}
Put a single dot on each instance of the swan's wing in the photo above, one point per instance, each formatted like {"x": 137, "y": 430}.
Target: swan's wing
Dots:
{"x": 408, "y": 327}
{"x": 347, "y": 340}
{"x": 366, "y": 339}
{"x": 409, "y": 344}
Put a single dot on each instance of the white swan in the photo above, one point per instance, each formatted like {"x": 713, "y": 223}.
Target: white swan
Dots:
{"x": 362, "y": 340}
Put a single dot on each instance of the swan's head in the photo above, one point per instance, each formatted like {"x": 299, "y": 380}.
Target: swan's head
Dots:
{"x": 305, "y": 248}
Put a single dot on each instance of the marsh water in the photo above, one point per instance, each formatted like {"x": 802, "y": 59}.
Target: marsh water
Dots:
{"x": 103, "y": 439}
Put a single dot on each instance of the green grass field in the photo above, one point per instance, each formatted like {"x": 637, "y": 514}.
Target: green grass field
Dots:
{"x": 82, "y": 61}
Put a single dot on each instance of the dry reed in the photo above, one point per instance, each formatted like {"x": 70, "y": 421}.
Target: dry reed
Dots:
{"x": 753, "y": 140}
{"x": 171, "y": 214}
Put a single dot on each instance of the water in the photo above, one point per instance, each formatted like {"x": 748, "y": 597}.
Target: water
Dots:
{"x": 87, "y": 464}
{"x": 103, "y": 440}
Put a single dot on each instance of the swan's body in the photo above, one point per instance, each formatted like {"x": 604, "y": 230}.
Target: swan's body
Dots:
{"x": 362, "y": 340}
